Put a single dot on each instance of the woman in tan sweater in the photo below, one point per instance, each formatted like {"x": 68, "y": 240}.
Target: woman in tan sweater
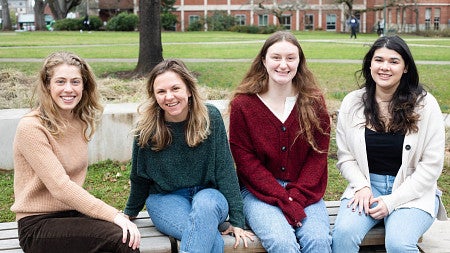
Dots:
{"x": 54, "y": 212}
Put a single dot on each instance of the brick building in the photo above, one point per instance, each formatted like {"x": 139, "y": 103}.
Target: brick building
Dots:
{"x": 301, "y": 15}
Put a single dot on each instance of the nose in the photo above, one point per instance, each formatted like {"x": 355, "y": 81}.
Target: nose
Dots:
{"x": 68, "y": 86}
{"x": 385, "y": 65}
{"x": 169, "y": 95}
{"x": 283, "y": 63}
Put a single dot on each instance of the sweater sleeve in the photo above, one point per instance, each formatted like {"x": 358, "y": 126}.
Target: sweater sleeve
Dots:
{"x": 139, "y": 186}
{"x": 33, "y": 143}
{"x": 225, "y": 172}
{"x": 312, "y": 181}
{"x": 252, "y": 173}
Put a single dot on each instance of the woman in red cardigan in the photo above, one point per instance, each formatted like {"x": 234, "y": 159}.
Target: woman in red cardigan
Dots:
{"x": 279, "y": 137}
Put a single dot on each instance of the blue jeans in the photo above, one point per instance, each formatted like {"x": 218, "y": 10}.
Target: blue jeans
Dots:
{"x": 403, "y": 226}
{"x": 191, "y": 215}
{"x": 278, "y": 236}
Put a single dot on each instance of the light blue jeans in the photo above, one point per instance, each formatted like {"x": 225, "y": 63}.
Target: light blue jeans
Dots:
{"x": 278, "y": 236}
{"x": 403, "y": 226}
{"x": 191, "y": 215}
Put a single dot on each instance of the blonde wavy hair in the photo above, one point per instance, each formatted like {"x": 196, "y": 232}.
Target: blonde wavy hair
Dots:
{"x": 88, "y": 110}
{"x": 310, "y": 100}
{"x": 151, "y": 129}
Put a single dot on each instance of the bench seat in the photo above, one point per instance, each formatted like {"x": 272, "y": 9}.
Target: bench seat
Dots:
{"x": 156, "y": 242}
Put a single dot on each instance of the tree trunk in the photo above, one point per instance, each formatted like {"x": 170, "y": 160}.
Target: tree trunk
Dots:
{"x": 150, "y": 46}
{"x": 60, "y": 8}
{"x": 39, "y": 19}
{"x": 6, "y": 20}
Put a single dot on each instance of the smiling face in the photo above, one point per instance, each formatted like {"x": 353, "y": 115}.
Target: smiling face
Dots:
{"x": 387, "y": 68}
{"x": 281, "y": 62}
{"x": 66, "y": 87}
{"x": 172, "y": 95}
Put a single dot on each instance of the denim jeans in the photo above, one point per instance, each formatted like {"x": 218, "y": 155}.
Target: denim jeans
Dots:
{"x": 191, "y": 215}
{"x": 278, "y": 236}
{"x": 70, "y": 232}
{"x": 403, "y": 226}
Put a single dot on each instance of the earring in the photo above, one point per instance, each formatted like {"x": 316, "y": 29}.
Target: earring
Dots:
{"x": 405, "y": 71}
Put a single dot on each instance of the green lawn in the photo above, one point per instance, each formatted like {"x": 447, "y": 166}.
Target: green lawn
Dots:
{"x": 109, "y": 180}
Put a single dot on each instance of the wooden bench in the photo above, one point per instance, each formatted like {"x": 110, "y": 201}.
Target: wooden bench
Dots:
{"x": 156, "y": 242}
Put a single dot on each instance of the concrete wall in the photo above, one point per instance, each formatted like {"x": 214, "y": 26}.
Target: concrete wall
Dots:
{"x": 113, "y": 139}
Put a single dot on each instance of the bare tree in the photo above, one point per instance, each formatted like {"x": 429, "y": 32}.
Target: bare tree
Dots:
{"x": 278, "y": 7}
{"x": 60, "y": 8}
{"x": 150, "y": 45}
{"x": 6, "y": 19}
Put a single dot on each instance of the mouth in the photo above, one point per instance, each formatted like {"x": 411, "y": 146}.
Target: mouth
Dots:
{"x": 283, "y": 72}
{"x": 172, "y": 104}
{"x": 384, "y": 76}
{"x": 68, "y": 99}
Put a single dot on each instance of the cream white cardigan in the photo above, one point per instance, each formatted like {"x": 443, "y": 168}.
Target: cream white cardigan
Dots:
{"x": 422, "y": 161}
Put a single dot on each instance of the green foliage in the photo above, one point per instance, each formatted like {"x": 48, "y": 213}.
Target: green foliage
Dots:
{"x": 76, "y": 24}
{"x": 196, "y": 26}
{"x": 123, "y": 22}
{"x": 69, "y": 24}
{"x": 95, "y": 23}
{"x": 256, "y": 29}
{"x": 220, "y": 21}
{"x": 168, "y": 21}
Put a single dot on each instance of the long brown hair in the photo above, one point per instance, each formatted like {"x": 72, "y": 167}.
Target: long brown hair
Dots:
{"x": 152, "y": 129}
{"x": 88, "y": 110}
{"x": 310, "y": 99}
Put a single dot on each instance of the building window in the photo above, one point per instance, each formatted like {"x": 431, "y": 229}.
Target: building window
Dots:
{"x": 427, "y": 19}
{"x": 437, "y": 18}
{"x": 193, "y": 19}
{"x": 331, "y": 22}
{"x": 263, "y": 20}
{"x": 309, "y": 22}
{"x": 240, "y": 19}
{"x": 286, "y": 22}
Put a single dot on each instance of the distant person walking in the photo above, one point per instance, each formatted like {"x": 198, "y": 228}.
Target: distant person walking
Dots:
{"x": 354, "y": 26}
{"x": 381, "y": 28}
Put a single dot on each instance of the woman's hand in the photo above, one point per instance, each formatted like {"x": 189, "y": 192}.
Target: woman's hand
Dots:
{"x": 238, "y": 234}
{"x": 361, "y": 200}
{"x": 127, "y": 226}
{"x": 380, "y": 210}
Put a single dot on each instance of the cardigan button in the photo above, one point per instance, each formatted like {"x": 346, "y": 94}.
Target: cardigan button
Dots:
{"x": 283, "y": 148}
{"x": 283, "y": 128}
{"x": 407, "y": 147}
{"x": 283, "y": 168}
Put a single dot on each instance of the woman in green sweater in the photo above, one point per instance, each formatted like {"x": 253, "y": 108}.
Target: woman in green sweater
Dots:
{"x": 182, "y": 168}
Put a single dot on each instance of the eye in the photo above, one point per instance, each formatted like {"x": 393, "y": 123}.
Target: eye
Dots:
{"x": 60, "y": 82}
{"x": 77, "y": 82}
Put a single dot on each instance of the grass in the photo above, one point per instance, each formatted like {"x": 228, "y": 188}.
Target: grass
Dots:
{"x": 108, "y": 180}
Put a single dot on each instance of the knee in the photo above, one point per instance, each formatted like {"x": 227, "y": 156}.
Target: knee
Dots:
{"x": 279, "y": 243}
{"x": 209, "y": 200}
{"x": 400, "y": 244}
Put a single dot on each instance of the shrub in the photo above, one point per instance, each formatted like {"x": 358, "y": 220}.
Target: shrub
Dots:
{"x": 256, "y": 29}
{"x": 220, "y": 21}
{"x": 168, "y": 21}
{"x": 69, "y": 24}
{"x": 196, "y": 26}
{"x": 122, "y": 22}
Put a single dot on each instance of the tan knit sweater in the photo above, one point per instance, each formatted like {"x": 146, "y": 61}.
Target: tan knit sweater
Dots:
{"x": 49, "y": 172}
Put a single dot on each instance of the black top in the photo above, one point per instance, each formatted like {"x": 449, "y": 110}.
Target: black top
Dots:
{"x": 384, "y": 152}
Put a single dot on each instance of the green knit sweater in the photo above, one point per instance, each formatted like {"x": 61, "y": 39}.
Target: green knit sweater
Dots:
{"x": 210, "y": 164}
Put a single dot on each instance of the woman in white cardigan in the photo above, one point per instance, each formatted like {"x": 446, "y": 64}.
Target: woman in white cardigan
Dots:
{"x": 391, "y": 140}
